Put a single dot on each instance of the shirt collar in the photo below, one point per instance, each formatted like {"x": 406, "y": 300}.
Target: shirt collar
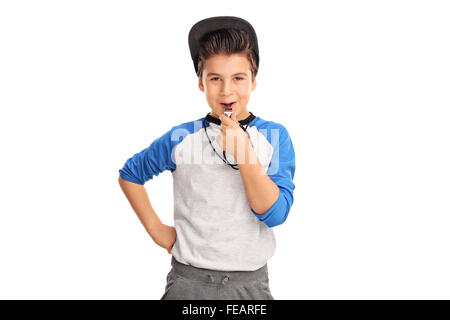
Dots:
{"x": 245, "y": 121}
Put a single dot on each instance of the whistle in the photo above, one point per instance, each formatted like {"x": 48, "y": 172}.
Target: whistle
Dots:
{"x": 228, "y": 111}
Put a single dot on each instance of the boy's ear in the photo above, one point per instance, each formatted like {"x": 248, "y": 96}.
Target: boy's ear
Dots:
{"x": 200, "y": 84}
{"x": 253, "y": 84}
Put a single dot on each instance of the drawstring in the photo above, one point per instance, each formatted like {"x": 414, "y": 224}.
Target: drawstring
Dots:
{"x": 224, "y": 280}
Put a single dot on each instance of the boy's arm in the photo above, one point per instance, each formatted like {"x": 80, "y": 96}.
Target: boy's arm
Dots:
{"x": 138, "y": 198}
{"x": 261, "y": 191}
{"x": 270, "y": 195}
{"x": 140, "y": 168}
{"x": 136, "y": 194}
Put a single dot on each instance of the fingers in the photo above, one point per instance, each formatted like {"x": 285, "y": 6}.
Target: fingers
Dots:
{"x": 225, "y": 120}
{"x": 169, "y": 249}
{"x": 227, "y": 123}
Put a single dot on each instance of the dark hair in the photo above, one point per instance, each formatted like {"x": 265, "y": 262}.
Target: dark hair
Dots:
{"x": 226, "y": 41}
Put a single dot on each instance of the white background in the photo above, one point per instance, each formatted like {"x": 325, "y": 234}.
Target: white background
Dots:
{"x": 361, "y": 86}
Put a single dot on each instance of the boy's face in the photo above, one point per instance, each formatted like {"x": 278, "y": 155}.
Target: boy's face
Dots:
{"x": 227, "y": 79}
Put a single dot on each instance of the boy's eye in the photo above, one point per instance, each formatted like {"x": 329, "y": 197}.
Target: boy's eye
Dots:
{"x": 239, "y": 78}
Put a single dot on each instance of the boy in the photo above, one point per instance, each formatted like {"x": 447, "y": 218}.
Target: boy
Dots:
{"x": 232, "y": 176}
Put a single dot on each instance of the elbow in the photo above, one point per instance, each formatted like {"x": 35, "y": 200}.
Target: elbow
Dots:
{"x": 281, "y": 210}
{"x": 125, "y": 176}
{"x": 277, "y": 219}
{"x": 277, "y": 214}
{"x": 122, "y": 181}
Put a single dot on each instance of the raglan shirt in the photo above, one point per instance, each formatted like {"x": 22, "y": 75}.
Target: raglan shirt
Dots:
{"x": 215, "y": 225}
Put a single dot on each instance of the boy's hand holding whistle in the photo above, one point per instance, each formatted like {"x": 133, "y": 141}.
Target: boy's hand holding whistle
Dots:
{"x": 232, "y": 137}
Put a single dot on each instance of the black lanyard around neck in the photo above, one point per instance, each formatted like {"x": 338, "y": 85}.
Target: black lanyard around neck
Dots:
{"x": 245, "y": 122}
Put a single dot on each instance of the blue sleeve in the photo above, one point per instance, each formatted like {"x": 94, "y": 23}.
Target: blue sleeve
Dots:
{"x": 151, "y": 161}
{"x": 281, "y": 170}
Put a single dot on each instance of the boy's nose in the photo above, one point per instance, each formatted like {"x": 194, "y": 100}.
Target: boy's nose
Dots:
{"x": 226, "y": 88}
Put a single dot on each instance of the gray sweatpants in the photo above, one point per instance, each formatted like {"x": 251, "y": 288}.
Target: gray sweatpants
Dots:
{"x": 190, "y": 283}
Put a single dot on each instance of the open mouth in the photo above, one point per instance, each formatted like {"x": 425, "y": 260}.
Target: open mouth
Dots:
{"x": 228, "y": 105}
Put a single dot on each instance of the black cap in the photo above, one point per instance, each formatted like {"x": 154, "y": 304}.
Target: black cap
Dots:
{"x": 204, "y": 26}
